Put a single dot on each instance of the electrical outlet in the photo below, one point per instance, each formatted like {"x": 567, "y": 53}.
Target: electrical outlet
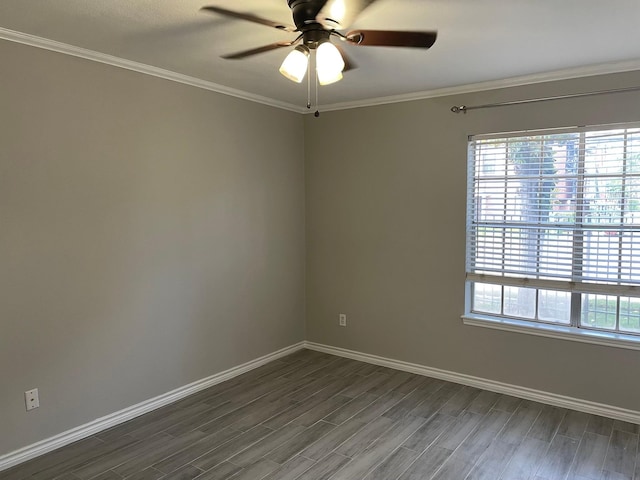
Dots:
{"x": 31, "y": 399}
{"x": 342, "y": 320}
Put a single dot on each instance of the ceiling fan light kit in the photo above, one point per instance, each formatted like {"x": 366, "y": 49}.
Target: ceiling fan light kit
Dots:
{"x": 329, "y": 63}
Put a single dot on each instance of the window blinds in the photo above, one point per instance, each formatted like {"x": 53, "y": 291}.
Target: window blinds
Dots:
{"x": 556, "y": 209}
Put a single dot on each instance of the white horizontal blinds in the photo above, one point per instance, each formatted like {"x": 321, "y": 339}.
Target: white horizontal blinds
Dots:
{"x": 555, "y": 210}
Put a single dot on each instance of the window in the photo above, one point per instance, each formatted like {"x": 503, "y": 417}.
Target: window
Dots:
{"x": 553, "y": 228}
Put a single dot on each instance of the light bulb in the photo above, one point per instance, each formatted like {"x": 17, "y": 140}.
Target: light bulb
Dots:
{"x": 294, "y": 66}
{"x": 329, "y": 63}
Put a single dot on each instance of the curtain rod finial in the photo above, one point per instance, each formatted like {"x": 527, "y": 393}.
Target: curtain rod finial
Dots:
{"x": 458, "y": 109}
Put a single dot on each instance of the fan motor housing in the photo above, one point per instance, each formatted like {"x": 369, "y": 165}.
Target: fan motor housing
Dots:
{"x": 305, "y": 12}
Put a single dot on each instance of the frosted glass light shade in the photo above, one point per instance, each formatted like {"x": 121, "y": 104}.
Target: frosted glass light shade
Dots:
{"x": 329, "y": 63}
{"x": 328, "y": 79}
{"x": 294, "y": 66}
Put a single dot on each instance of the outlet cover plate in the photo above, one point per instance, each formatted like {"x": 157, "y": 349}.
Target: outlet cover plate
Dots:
{"x": 31, "y": 399}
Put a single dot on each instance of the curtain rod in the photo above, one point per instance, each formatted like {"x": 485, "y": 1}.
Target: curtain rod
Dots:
{"x": 465, "y": 109}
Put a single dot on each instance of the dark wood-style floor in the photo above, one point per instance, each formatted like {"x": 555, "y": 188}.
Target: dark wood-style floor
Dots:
{"x": 313, "y": 416}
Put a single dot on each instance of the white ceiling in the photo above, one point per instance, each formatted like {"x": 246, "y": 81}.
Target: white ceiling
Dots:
{"x": 478, "y": 41}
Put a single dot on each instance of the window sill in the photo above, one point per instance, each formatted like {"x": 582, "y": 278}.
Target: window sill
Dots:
{"x": 608, "y": 339}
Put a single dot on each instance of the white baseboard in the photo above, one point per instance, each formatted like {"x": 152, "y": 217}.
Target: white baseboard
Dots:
{"x": 31, "y": 451}
{"x": 586, "y": 406}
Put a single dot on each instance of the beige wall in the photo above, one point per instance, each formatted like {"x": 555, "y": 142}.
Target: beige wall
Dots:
{"x": 151, "y": 234}
{"x": 386, "y": 239}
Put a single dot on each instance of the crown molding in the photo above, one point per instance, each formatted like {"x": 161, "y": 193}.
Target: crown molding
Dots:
{"x": 59, "y": 47}
{"x": 565, "y": 74}
{"x": 556, "y": 75}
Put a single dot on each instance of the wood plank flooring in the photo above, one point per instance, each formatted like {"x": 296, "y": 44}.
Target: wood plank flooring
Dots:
{"x": 312, "y": 416}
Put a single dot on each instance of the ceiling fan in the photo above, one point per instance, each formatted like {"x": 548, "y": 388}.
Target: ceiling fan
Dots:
{"x": 316, "y": 22}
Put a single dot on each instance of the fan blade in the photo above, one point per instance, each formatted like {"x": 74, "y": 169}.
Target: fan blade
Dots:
{"x": 250, "y": 18}
{"x": 390, "y": 38}
{"x": 339, "y": 14}
{"x": 255, "y": 51}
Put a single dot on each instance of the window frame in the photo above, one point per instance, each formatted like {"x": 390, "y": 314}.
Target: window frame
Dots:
{"x": 575, "y": 330}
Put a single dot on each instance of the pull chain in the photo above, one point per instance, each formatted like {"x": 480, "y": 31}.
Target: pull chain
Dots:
{"x": 309, "y": 85}
{"x": 317, "y": 112}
